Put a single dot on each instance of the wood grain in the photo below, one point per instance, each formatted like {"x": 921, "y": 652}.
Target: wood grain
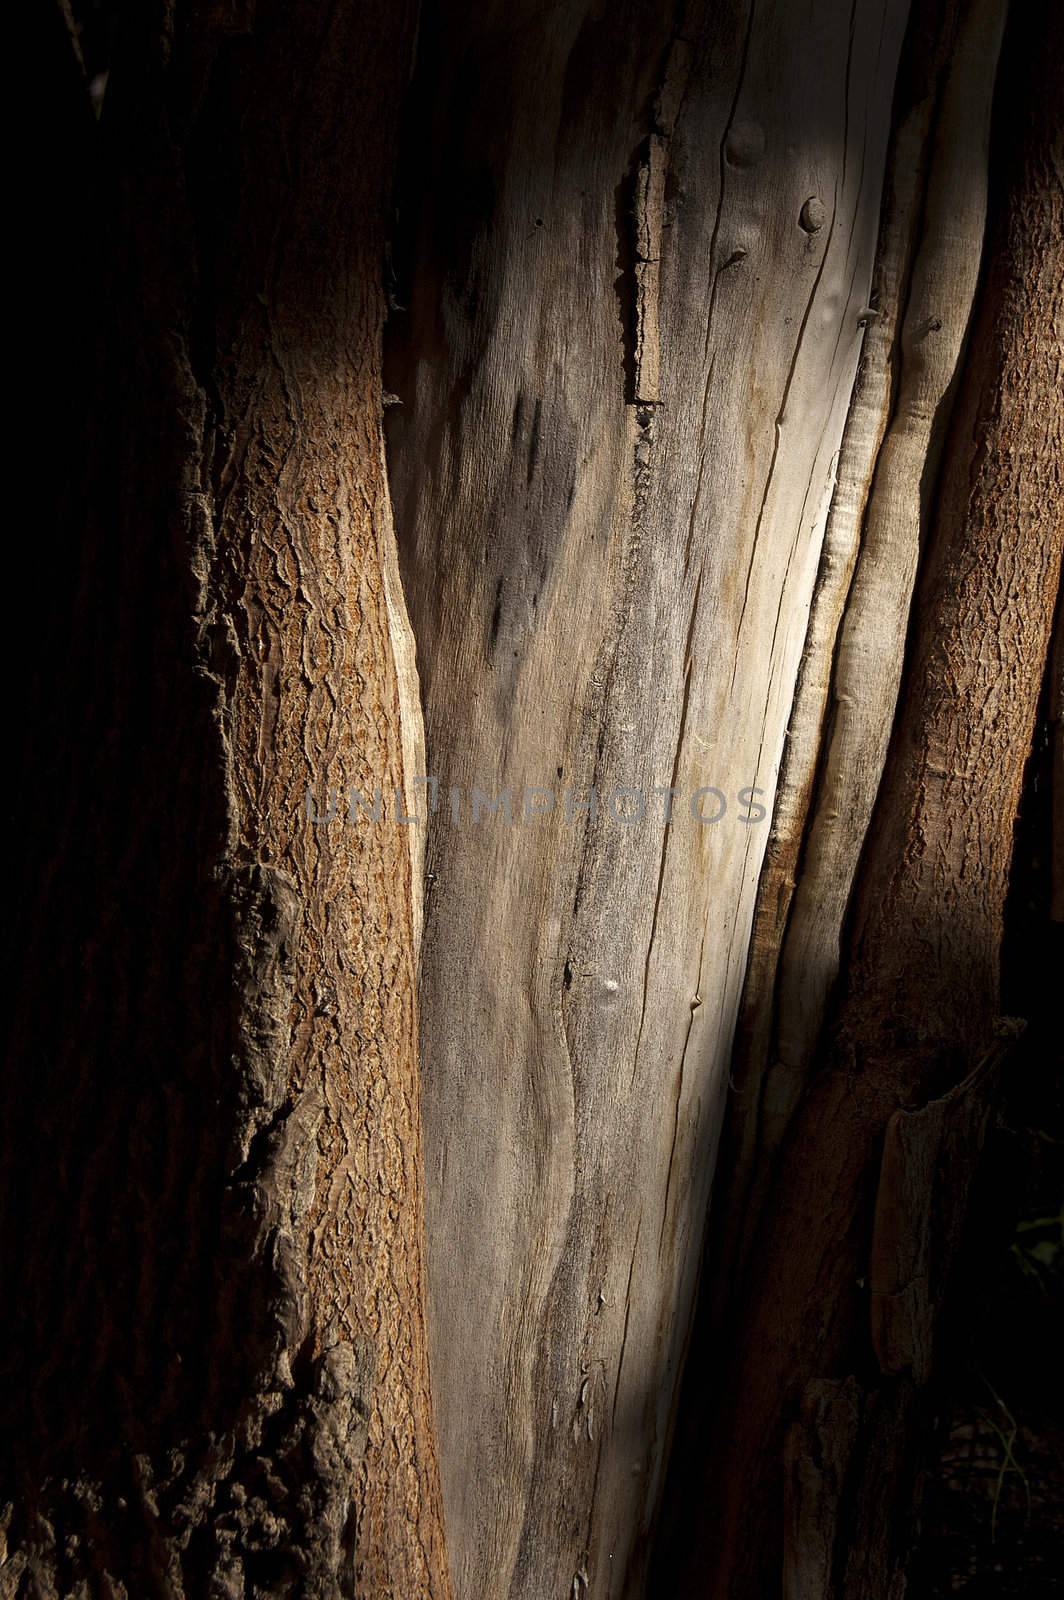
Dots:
{"x": 641, "y": 261}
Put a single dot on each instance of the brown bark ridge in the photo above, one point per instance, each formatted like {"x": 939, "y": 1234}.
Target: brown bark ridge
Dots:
{"x": 811, "y": 1457}
{"x": 642, "y": 242}
{"x": 213, "y": 1347}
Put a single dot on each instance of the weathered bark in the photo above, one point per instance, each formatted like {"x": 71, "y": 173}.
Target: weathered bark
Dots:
{"x": 927, "y": 262}
{"x": 811, "y": 1459}
{"x": 214, "y": 1367}
{"x": 642, "y": 255}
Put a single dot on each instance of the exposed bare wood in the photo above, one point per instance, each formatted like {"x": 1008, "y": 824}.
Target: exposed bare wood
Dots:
{"x": 727, "y": 477}
{"x": 926, "y": 271}
{"x": 748, "y": 1147}
{"x": 624, "y": 379}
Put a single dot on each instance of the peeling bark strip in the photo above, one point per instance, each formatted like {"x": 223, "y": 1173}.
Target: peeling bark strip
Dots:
{"x": 214, "y": 1358}
{"x": 856, "y": 1241}
{"x": 641, "y": 275}
{"x": 927, "y": 262}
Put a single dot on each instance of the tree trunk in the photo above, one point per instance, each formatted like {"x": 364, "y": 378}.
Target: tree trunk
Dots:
{"x": 809, "y": 1465}
{"x": 727, "y": 488}
{"x": 214, "y": 1360}
{"x": 641, "y": 275}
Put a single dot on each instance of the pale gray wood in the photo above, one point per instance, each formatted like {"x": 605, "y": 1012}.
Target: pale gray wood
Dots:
{"x": 924, "y": 284}
{"x": 624, "y": 379}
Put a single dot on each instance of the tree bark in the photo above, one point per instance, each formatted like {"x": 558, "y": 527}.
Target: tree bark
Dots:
{"x": 927, "y": 264}
{"x": 810, "y": 1464}
{"x": 728, "y": 496}
{"x": 215, "y": 1377}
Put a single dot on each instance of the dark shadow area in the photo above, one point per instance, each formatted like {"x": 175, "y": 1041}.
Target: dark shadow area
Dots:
{"x": 992, "y": 1526}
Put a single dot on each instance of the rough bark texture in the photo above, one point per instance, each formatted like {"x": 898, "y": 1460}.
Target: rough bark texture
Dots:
{"x": 642, "y": 250}
{"x": 811, "y": 1458}
{"x": 214, "y": 1367}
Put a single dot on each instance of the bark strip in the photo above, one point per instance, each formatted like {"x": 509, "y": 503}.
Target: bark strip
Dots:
{"x": 831, "y": 1295}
